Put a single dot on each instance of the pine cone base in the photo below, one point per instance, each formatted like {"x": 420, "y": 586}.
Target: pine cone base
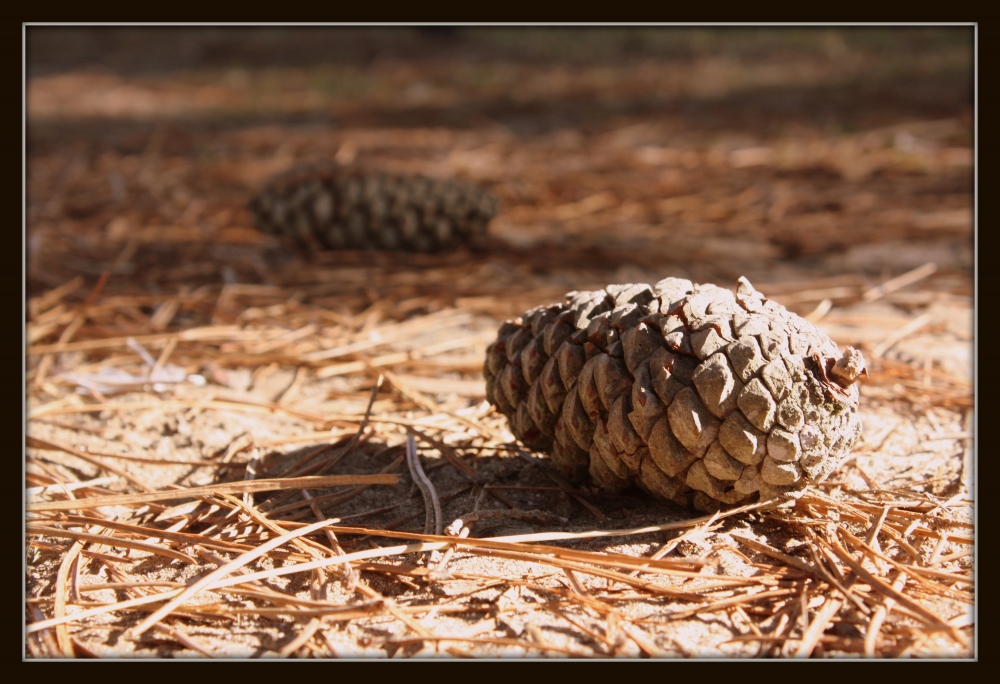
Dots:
{"x": 687, "y": 391}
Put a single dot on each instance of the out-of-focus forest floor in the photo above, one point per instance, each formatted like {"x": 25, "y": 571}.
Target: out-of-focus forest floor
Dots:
{"x": 170, "y": 345}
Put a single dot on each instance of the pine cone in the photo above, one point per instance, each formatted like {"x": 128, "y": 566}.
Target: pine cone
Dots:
{"x": 338, "y": 207}
{"x": 689, "y": 392}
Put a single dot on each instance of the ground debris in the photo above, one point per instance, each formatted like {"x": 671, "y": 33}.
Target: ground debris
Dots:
{"x": 170, "y": 346}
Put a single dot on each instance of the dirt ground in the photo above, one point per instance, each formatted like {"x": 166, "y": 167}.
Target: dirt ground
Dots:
{"x": 170, "y": 345}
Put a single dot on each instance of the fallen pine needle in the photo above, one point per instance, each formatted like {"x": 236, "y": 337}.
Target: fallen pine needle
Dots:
{"x": 312, "y": 482}
{"x": 223, "y": 571}
{"x": 108, "y": 541}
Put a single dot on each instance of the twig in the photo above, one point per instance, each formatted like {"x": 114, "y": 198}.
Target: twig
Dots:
{"x": 251, "y": 474}
{"x": 818, "y": 625}
{"x": 968, "y": 457}
{"x": 300, "y": 640}
{"x": 446, "y": 451}
{"x": 890, "y": 341}
{"x": 432, "y": 506}
{"x": 62, "y": 635}
{"x": 349, "y": 576}
{"x": 879, "y": 616}
{"x": 898, "y": 282}
{"x": 822, "y": 309}
{"x": 456, "y": 529}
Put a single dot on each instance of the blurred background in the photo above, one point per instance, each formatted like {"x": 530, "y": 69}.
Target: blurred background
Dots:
{"x": 748, "y": 145}
{"x": 817, "y": 161}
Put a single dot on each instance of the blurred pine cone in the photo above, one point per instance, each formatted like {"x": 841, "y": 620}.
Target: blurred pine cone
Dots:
{"x": 689, "y": 392}
{"x": 340, "y": 207}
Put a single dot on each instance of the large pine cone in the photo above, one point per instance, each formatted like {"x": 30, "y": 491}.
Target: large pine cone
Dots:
{"x": 685, "y": 390}
{"x": 339, "y": 207}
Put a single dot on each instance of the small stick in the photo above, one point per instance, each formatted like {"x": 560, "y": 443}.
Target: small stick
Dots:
{"x": 816, "y": 628}
{"x": 447, "y": 451}
{"x": 168, "y": 349}
{"x": 843, "y": 588}
{"x": 875, "y": 625}
{"x": 62, "y": 634}
{"x": 167, "y": 535}
{"x": 348, "y": 576}
{"x": 968, "y": 457}
{"x": 908, "y": 329}
{"x": 822, "y": 309}
{"x": 39, "y": 304}
{"x": 647, "y": 646}
{"x": 872, "y": 538}
{"x": 575, "y": 582}
{"x": 900, "y": 282}
{"x": 42, "y": 645}
{"x": 251, "y": 474}
{"x": 459, "y": 529}
{"x": 299, "y": 641}
{"x": 141, "y": 351}
{"x": 432, "y": 506}
{"x": 537, "y": 517}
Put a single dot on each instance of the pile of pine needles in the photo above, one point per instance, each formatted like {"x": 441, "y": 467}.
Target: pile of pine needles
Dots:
{"x": 873, "y": 570}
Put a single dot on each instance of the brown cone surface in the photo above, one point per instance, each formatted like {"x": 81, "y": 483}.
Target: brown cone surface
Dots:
{"x": 688, "y": 391}
{"x": 340, "y": 207}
